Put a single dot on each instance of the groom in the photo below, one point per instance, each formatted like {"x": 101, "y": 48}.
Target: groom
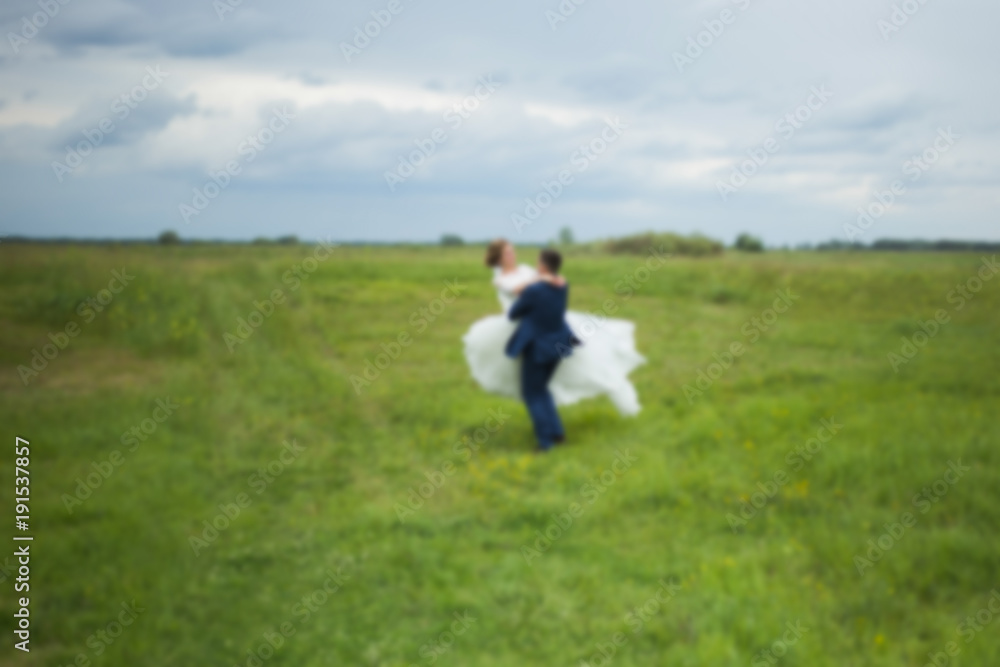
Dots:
{"x": 542, "y": 339}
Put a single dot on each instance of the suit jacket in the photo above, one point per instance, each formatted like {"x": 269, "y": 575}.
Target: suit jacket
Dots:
{"x": 542, "y": 334}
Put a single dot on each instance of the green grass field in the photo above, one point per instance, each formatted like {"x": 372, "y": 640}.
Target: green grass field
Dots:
{"x": 314, "y": 546}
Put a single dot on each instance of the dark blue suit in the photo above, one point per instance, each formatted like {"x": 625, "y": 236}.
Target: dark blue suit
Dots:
{"x": 542, "y": 339}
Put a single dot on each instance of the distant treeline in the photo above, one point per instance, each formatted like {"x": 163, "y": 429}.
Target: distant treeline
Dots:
{"x": 666, "y": 242}
{"x": 694, "y": 245}
{"x": 915, "y": 245}
{"x": 164, "y": 239}
{"x": 170, "y": 239}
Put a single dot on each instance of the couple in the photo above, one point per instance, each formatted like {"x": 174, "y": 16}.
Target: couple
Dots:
{"x": 550, "y": 356}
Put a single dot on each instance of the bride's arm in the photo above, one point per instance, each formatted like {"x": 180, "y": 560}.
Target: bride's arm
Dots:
{"x": 523, "y": 286}
{"x": 558, "y": 281}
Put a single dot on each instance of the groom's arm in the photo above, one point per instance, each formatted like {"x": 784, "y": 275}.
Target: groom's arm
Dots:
{"x": 523, "y": 305}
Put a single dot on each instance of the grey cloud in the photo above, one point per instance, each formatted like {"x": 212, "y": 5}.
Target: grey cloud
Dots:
{"x": 881, "y": 115}
{"x": 190, "y": 30}
{"x": 130, "y": 125}
{"x": 618, "y": 84}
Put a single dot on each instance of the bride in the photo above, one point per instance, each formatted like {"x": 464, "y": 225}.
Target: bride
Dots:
{"x": 600, "y": 366}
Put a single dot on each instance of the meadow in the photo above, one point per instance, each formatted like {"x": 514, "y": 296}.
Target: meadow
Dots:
{"x": 323, "y": 483}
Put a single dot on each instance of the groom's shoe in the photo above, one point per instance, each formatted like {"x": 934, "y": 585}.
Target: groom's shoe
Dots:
{"x": 559, "y": 439}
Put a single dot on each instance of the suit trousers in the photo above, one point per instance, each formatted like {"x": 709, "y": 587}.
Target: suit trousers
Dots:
{"x": 537, "y": 398}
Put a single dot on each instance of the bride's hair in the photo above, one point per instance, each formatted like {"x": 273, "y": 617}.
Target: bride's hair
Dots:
{"x": 494, "y": 251}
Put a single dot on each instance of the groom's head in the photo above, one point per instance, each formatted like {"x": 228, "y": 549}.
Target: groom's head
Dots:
{"x": 549, "y": 261}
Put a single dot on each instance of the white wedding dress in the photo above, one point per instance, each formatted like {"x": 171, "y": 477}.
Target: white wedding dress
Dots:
{"x": 600, "y": 366}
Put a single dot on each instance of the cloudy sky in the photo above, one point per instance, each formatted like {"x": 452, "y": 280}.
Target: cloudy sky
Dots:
{"x": 777, "y": 117}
